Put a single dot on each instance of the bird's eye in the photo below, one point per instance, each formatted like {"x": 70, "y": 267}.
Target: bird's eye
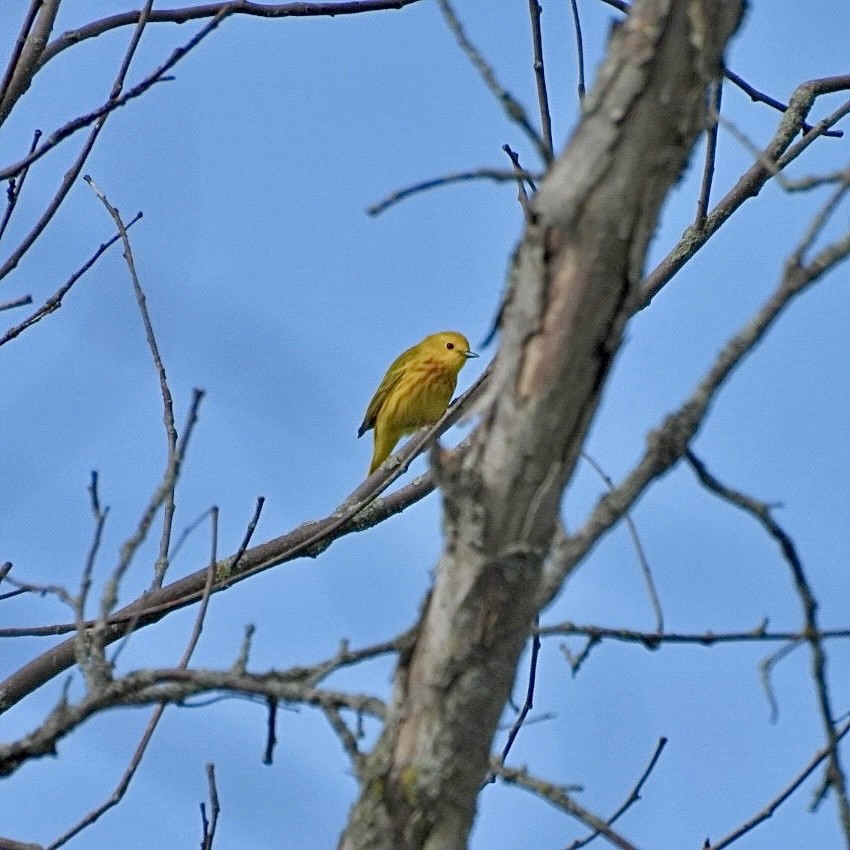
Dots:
{"x": 450, "y": 345}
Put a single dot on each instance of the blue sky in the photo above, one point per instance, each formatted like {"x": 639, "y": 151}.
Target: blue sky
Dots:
{"x": 273, "y": 290}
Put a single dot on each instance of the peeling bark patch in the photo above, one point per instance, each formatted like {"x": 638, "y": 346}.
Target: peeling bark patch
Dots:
{"x": 541, "y": 354}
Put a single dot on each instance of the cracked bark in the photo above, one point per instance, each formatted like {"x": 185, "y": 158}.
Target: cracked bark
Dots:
{"x": 573, "y": 285}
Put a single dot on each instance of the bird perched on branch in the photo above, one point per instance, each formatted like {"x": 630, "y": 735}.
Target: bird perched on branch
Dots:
{"x": 415, "y": 391}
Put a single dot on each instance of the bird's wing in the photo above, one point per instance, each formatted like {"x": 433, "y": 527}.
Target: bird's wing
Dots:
{"x": 390, "y": 381}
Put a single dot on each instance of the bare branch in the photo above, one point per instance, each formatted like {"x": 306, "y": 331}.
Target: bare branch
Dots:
{"x": 579, "y": 49}
{"x": 653, "y": 640}
{"x": 641, "y": 555}
{"x": 495, "y": 174}
{"x": 174, "y": 458}
{"x": 345, "y": 735}
{"x": 511, "y": 106}
{"x": 109, "y": 597}
{"x": 115, "y": 101}
{"x": 210, "y": 10}
{"x": 715, "y": 96}
{"x": 667, "y": 444}
{"x": 769, "y": 810}
{"x": 521, "y": 178}
{"x": 528, "y": 703}
{"x": 558, "y": 797}
{"x": 271, "y": 735}
{"x": 136, "y": 760}
{"x": 55, "y": 301}
{"x": 760, "y": 97}
{"x": 525, "y": 203}
{"x": 209, "y": 827}
{"x": 761, "y": 512}
{"x": 171, "y": 685}
{"x": 766, "y": 666}
{"x": 21, "y": 301}
{"x": 534, "y": 11}
{"x": 16, "y": 187}
{"x": 779, "y": 151}
{"x": 28, "y": 49}
{"x": 633, "y": 797}
{"x": 73, "y": 172}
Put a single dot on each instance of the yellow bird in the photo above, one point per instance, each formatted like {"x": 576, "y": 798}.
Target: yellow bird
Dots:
{"x": 415, "y": 391}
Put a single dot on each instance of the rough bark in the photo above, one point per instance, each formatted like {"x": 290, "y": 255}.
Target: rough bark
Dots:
{"x": 573, "y": 285}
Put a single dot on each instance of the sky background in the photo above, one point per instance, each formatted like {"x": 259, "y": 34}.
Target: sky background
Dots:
{"x": 271, "y": 288}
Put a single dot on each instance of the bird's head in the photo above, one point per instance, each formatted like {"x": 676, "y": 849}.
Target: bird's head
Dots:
{"x": 449, "y": 347}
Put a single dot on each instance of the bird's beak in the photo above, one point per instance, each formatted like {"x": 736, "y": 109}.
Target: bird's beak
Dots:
{"x": 469, "y": 354}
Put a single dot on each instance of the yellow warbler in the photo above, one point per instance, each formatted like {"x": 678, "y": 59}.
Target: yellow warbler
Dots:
{"x": 415, "y": 391}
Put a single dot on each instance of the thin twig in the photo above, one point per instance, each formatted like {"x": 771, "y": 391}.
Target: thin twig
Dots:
{"x": 495, "y": 174}
{"x": 208, "y": 10}
{"x": 187, "y": 531}
{"x": 641, "y": 555}
{"x": 55, "y": 301}
{"x": 512, "y": 107}
{"x": 73, "y": 172}
{"x": 173, "y": 462}
{"x": 770, "y": 809}
{"x": 21, "y": 301}
{"x": 579, "y": 50}
{"x": 766, "y": 666}
{"x": 534, "y": 12}
{"x": 633, "y": 797}
{"x": 345, "y": 735}
{"x": 209, "y": 827}
{"x": 249, "y": 532}
{"x": 715, "y": 95}
{"x": 124, "y": 783}
{"x": 760, "y": 97}
{"x": 16, "y": 185}
{"x": 528, "y": 703}
{"x": 819, "y": 221}
{"x": 558, "y": 797}
{"x": 777, "y": 155}
{"x": 131, "y": 545}
{"x": 521, "y": 176}
{"x": 271, "y": 730}
{"x": 90, "y": 658}
{"x": 653, "y": 640}
{"x": 761, "y": 512}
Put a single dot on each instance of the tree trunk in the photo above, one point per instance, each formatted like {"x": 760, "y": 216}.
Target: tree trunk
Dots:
{"x": 573, "y": 286}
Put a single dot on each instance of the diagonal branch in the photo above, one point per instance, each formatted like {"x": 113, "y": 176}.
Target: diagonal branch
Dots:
{"x": 761, "y": 512}
{"x": 27, "y": 53}
{"x": 185, "y": 14}
{"x": 511, "y": 106}
{"x": 770, "y": 809}
{"x": 76, "y": 168}
{"x": 779, "y": 153}
{"x": 360, "y": 511}
{"x": 667, "y": 444}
